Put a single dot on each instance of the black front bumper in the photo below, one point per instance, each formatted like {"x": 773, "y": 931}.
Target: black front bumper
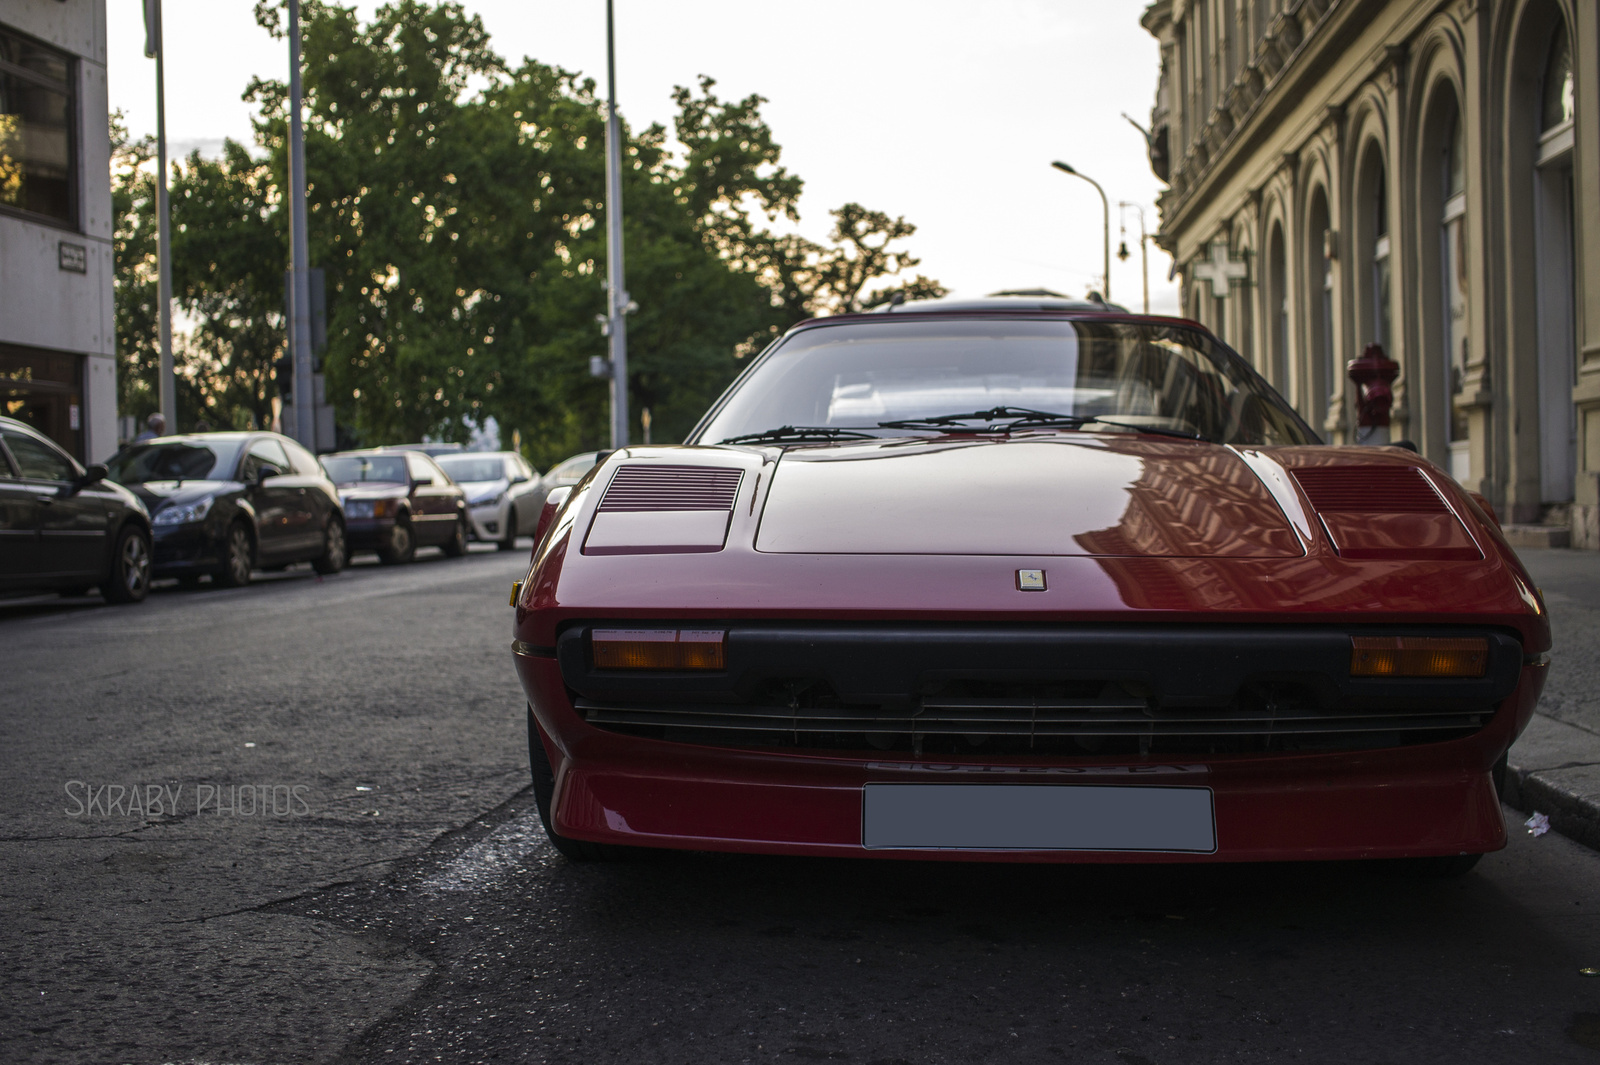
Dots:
{"x": 185, "y": 550}
{"x": 1129, "y": 689}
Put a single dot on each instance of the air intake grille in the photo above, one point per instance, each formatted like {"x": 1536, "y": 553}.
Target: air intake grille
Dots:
{"x": 1371, "y": 490}
{"x": 1106, "y": 724}
{"x": 647, "y": 488}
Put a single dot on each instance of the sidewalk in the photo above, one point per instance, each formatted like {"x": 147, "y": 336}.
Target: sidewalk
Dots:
{"x": 1555, "y": 765}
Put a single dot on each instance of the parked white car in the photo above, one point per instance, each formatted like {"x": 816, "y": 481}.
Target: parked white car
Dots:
{"x": 504, "y": 493}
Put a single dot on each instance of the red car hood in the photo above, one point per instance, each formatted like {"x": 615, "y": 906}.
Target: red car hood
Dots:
{"x": 1082, "y": 494}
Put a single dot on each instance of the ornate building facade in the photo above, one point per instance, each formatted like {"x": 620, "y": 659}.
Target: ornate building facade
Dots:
{"x": 1424, "y": 174}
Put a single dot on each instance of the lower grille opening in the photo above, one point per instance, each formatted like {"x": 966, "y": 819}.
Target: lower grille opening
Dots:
{"x": 1067, "y": 718}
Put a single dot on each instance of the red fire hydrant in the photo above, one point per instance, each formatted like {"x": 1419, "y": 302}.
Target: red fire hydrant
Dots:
{"x": 1373, "y": 373}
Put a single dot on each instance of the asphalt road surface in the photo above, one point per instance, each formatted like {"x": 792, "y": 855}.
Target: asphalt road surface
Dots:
{"x": 333, "y": 857}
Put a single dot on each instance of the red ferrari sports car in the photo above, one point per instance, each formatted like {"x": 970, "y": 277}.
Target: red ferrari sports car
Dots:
{"x": 1022, "y": 581}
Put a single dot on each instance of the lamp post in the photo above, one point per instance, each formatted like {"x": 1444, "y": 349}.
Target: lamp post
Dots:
{"x": 1144, "y": 246}
{"x": 305, "y": 429}
{"x": 617, "y": 303}
{"x": 167, "y": 389}
{"x": 1105, "y": 291}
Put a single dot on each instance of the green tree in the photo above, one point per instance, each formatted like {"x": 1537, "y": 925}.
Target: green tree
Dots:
{"x": 457, "y": 206}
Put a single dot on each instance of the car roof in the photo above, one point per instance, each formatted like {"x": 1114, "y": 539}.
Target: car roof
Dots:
{"x": 1022, "y": 304}
{"x": 385, "y": 450}
{"x": 1023, "y": 300}
{"x": 230, "y": 435}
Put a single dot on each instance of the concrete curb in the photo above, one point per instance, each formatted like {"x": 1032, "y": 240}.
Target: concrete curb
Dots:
{"x": 1573, "y": 815}
{"x": 1554, "y": 768}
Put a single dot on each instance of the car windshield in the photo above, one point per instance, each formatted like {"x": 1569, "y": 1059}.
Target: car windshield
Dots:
{"x": 353, "y": 469}
{"x": 473, "y": 467}
{"x": 1160, "y": 378}
{"x": 213, "y": 460}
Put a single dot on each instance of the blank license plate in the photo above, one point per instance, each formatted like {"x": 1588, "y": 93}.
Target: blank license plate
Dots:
{"x": 1037, "y": 817}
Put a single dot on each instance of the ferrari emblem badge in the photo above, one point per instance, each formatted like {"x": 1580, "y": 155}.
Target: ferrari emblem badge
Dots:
{"x": 1030, "y": 580}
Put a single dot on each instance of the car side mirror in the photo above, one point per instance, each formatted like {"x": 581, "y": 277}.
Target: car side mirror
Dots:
{"x": 94, "y": 473}
{"x": 263, "y": 472}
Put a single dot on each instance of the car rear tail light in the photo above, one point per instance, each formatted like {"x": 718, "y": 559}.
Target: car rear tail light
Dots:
{"x": 1418, "y": 656}
{"x": 659, "y": 649}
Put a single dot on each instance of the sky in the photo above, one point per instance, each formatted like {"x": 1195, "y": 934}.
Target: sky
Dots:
{"x": 947, "y": 113}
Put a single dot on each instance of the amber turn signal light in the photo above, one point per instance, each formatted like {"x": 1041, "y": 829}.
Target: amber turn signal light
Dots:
{"x": 1418, "y": 656}
{"x": 660, "y": 649}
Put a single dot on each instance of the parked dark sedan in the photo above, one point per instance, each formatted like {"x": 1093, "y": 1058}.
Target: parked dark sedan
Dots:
{"x": 65, "y": 527}
{"x": 397, "y": 500}
{"x": 224, "y": 503}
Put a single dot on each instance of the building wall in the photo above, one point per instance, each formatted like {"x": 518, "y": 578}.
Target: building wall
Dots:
{"x": 46, "y": 307}
{"x": 1324, "y": 128}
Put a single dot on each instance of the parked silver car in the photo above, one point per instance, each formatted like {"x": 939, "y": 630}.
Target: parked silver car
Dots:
{"x": 504, "y": 493}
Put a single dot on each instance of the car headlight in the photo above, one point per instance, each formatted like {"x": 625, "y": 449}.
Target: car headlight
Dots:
{"x": 184, "y": 513}
{"x": 358, "y": 508}
{"x": 490, "y": 501}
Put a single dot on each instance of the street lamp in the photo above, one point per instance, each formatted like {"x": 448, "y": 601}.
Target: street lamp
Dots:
{"x": 617, "y": 303}
{"x": 1105, "y": 292}
{"x": 167, "y": 387}
{"x": 1144, "y": 245}
{"x": 303, "y": 394}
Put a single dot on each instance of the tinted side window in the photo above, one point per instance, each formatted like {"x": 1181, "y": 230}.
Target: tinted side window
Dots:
{"x": 37, "y": 460}
{"x": 421, "y": 469}
{"x": 305, "y": 464}
{"x": 265, "y": 453}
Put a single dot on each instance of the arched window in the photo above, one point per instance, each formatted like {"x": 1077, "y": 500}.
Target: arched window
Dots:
{"x": 1322, "y": 371}
{"x": 1453, "y": 276}
{"x": 1244, "y": 309}
{"x": 1558, "y": 102}
{"x": 1372, "y": 250}
{"x": 1553, "y": 248}
{"x": 1277, "y": 311}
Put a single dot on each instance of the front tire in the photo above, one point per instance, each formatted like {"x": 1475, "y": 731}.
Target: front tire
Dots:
{"x": 456, "y": 546}
{"x": 334, "y": 555}
{"x": 402, "y": 545}
{"x": 510, "y": 541}
{"x": 237, "y": 558}
{"x": 129, "y": 579}
{"x": 544, "y": 790}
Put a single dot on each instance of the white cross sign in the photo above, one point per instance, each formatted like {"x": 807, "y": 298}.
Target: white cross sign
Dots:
{"x": 1220, "y": 271}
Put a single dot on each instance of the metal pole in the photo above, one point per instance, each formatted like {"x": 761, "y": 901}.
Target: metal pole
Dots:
{"x": 168, "y": 388}
{"x": 1144, "y": 260}
{"x": 1105, "y": 205}
{"x": 1144, "y": 243}
{"x": 616, "y": 294}
{"x": 305, "y": 429}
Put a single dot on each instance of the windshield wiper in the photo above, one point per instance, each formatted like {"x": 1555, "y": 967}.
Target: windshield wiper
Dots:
{"x": 990, "y": 416}
{"x": 798, "y": 432}
{"x": 1009, "y": 419}
{"x": 1083, "y": 419}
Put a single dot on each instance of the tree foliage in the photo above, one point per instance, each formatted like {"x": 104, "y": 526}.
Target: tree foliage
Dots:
{"x": 457, "y": 206}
